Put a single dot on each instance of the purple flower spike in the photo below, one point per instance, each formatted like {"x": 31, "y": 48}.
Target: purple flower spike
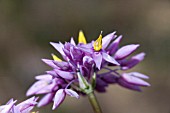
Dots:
{"x": 125, "y": 51}
{"x": 59, "y": 98}
{"x": 79, "y": 71}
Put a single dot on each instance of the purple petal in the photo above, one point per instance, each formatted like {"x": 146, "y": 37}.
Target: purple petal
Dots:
{"x": 50, "y": 63}
{"x": 84, "y": 71}
{"x": 109, "y": 78}
{"x": 100, "y": 82}
{"x": 100, "y": 89}
{"x": 44, "y": 77}
{"x": 109, "y": 58}
{"x": 87, "y": 48}
{"x": 48, "y": 88}
{"x": 59, "y": 47}
{"x": 30, "y": 101}
{"x": 27, "y": 105}
{"x": 62, "y": 65}
{"x": 139, "y": 75}
{"x": 52, "y": 72}
{"x": 46, "y": 100}
{"x": 97, "y": 59}
{"x": 100, "y": 85}
{"x": 133, "y": 61}
{"x": 67, "y": 52}
{"x": 125, "y": 51}
{"x": 114, "y": 45}
{"x": 76, "y": 54}
{"x": 68, "y": 45}
{"x": 64, "y": 74}
{"x": 128, "y": 85}
{"x": 36, "y": 87}
{"x": 11, "y": 101}
{"x": 15, "y": 109}
{"x": 6, "y": 108}
{"x": 139, "y": 56}
{"x": 134, "y": 80}
{"x": 59, "y": 98}
{"x": 72, "y": 41}
{"x": 88, "y": 61}
{"x": 88, "y": 45}
{"x": 106, "y": 40}
{"x": 71, "y": 93}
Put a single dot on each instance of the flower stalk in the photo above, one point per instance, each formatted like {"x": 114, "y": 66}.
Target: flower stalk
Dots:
{"x": 94, "y": 103}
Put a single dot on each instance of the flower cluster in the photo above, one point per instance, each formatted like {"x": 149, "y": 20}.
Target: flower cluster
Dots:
{"x": 23, "y": 107}
{"x": 78, "y": 73}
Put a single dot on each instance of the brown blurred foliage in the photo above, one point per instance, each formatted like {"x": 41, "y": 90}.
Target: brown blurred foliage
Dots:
{"x": 27, "y": 27}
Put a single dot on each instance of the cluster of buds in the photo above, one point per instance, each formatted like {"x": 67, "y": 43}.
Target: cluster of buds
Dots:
{"x": 78, "y": 73}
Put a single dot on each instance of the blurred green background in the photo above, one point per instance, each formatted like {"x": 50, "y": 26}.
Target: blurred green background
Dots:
{"x": 27, "y": 27}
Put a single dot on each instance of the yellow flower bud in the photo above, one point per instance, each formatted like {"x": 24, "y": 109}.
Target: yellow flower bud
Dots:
{"x": 81, "y": 38}
{"x": 56, "y": 58}
{"x": 97, "y": 45}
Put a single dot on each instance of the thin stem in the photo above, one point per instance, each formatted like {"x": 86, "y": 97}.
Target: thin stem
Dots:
{"x": 94, "y": 103}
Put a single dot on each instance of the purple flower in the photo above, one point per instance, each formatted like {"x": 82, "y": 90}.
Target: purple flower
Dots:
{"x": 78, "y": 71}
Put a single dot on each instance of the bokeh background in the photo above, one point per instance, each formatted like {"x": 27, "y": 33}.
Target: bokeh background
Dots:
{"x": 27, "y": 27}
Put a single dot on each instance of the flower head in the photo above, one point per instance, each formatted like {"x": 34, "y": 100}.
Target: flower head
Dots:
{"x": 78, "y": 71}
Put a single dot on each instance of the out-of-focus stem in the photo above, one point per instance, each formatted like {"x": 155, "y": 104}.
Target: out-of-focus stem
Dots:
{"x": 94, "y": 103}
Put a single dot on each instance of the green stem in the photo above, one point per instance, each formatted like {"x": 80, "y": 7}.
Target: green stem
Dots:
{"x": 94, "y": 103}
